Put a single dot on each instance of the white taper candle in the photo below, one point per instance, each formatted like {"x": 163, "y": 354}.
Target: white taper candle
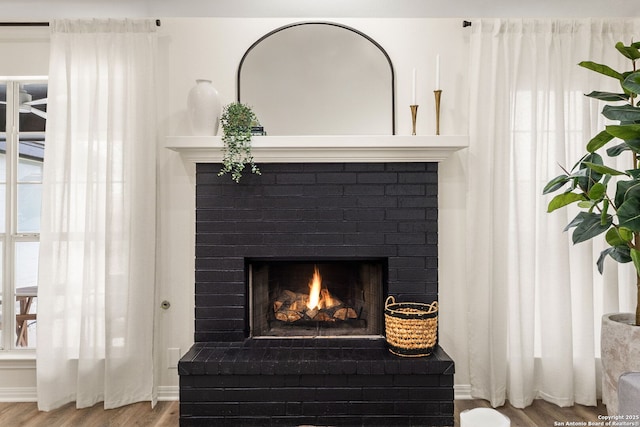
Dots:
{"x": 413, "y": 89}
{"x": 437, "y": 71}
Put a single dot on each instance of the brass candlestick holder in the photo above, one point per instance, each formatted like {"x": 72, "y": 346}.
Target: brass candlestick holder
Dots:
{"x": 437, "y": 93}
{"x": 414, "y": 117}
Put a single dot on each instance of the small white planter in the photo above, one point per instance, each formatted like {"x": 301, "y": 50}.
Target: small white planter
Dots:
{"x": 620, "y": 343}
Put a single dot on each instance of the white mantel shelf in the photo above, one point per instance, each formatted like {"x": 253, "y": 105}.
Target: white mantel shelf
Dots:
{"x": 326, "y": 149}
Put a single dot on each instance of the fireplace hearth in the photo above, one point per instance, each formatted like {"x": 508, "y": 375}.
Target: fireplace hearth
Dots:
{"x": 270, "y": 350}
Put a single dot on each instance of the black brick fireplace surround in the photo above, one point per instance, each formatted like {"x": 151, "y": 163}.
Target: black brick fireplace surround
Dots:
{"x": 312, "y": 211}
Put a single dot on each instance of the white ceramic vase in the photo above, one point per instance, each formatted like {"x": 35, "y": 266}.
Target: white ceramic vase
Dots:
{"x": 620, "y": 347}
{"x": 203, "y": 107}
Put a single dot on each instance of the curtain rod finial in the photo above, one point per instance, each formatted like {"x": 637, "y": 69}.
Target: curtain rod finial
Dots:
{"x": 466, "y": 24}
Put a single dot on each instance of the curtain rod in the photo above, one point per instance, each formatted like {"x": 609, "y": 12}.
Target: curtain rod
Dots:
{"x": 24, "y": 24}
{"x": 40, "y": 24}
{"x": 466, "y": 24}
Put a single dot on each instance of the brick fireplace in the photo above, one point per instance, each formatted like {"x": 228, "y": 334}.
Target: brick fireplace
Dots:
{"x": 372, "y": 215}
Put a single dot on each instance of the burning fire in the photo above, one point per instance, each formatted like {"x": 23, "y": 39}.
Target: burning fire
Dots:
{"x": 319, "y": 305}
{"x": 319, "y": 297}
{"x": 315, "y": 286}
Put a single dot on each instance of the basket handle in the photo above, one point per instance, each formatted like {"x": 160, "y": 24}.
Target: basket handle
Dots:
{"x": 389, "y": 298}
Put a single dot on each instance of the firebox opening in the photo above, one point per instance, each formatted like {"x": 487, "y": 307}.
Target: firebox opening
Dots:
{"x": 324, "y": 298}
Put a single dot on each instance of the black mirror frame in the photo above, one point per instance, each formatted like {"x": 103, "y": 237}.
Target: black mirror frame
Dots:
{"x": 375, "y": 43}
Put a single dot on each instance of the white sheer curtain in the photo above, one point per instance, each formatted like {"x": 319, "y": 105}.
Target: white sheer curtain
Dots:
{"x": 536, "y": 300}
{"x": 97, "y": 248}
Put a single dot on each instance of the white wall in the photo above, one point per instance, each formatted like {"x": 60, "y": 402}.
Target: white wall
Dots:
{"x": 24, "y": 51}
{"x": 211, "y": 48}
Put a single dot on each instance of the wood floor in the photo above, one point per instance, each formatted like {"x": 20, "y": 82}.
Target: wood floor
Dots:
{"x": 165, "y": 414}
{"x": 540, "y": 414}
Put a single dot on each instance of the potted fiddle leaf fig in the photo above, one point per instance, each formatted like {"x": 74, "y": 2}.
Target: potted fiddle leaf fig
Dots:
{"x": 609, "y": 202}
{"x": 237, "y": 120}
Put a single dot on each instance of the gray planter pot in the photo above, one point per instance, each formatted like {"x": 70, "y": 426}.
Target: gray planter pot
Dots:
{"x": 620, "y": 343}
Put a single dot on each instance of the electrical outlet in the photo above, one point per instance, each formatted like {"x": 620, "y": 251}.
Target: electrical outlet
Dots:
{"x": 173, "y": 356}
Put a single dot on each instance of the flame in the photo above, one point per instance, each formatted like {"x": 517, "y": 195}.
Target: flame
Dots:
{"x": 327, "y": 300}
{"x": 315, "y": 285}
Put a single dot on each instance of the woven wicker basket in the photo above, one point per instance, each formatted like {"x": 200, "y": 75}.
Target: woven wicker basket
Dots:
{"x": 411, "y": 328}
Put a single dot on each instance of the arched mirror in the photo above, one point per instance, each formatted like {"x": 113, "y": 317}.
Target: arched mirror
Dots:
{"x": 319, "y": 78}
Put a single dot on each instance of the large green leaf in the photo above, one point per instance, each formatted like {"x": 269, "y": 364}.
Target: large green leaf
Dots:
{"x": 575, "y": 221}
{"x": 618, "y": 253}
{"x": 626, "y": 234}
{"x": 625, "y": 132}
{"x": 599, "y": 141}
{"x": 617, "y": 149}
{"x": 564, "y": 199}
{"x": 614, "y": 238}
{"x": 631, "y": 83}
{"x": 603, "y": 255}
{"x": 601, "y": 68}
{"x": 633, "y": 144}
{"x": 629, "y": 214}
{"x": 588, "y": 175}
{"x": 590, "y": 226}
{"x": 634, "y": 173}
{"x": 621, "y": 254}
{"x": 586, "y": 157}
{"x": 630, "y": 52}
{"x": 626, "y": 190}
{"x": 587, "y": 204}
{"x": 627, "y": 200}
{"x": 555, "y": 184}
{"x": 608, "y": 96}
{"x": 602, "y": 169}
{"x": 623, "y": 113}
{"x": 597, "y": 191}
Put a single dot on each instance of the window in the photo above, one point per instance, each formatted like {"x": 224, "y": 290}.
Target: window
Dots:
{"x": 22, "y": 127}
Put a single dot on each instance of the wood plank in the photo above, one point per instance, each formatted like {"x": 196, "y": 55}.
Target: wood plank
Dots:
{"x": 588, "y": 412}
{"x": 169, "y": 417}
{"x": 20, "y": 413}
{"x": 517, "y": 416}
{"x": 165, "y": 414}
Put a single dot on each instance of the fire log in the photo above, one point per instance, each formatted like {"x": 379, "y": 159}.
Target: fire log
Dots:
{"x": 345, "y": 313}
{"x": 288, "y": 315}
{"x": 292, "y": 306}
{"x": 323, "y": 316}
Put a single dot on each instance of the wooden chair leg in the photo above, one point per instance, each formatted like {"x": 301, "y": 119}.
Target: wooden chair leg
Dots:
{"x": 22, "y": 332}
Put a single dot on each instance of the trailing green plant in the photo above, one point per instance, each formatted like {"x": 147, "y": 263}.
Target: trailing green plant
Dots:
{"x": 609, "y": 206}
{"x": 237, "y": 120}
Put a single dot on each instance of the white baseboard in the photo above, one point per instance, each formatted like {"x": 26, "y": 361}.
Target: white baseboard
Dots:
{"x": 29, "y": 394}
{"x": 462, "y": 392}
{"x": 18, "y": 394}
{"x": 168, "y": 392}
